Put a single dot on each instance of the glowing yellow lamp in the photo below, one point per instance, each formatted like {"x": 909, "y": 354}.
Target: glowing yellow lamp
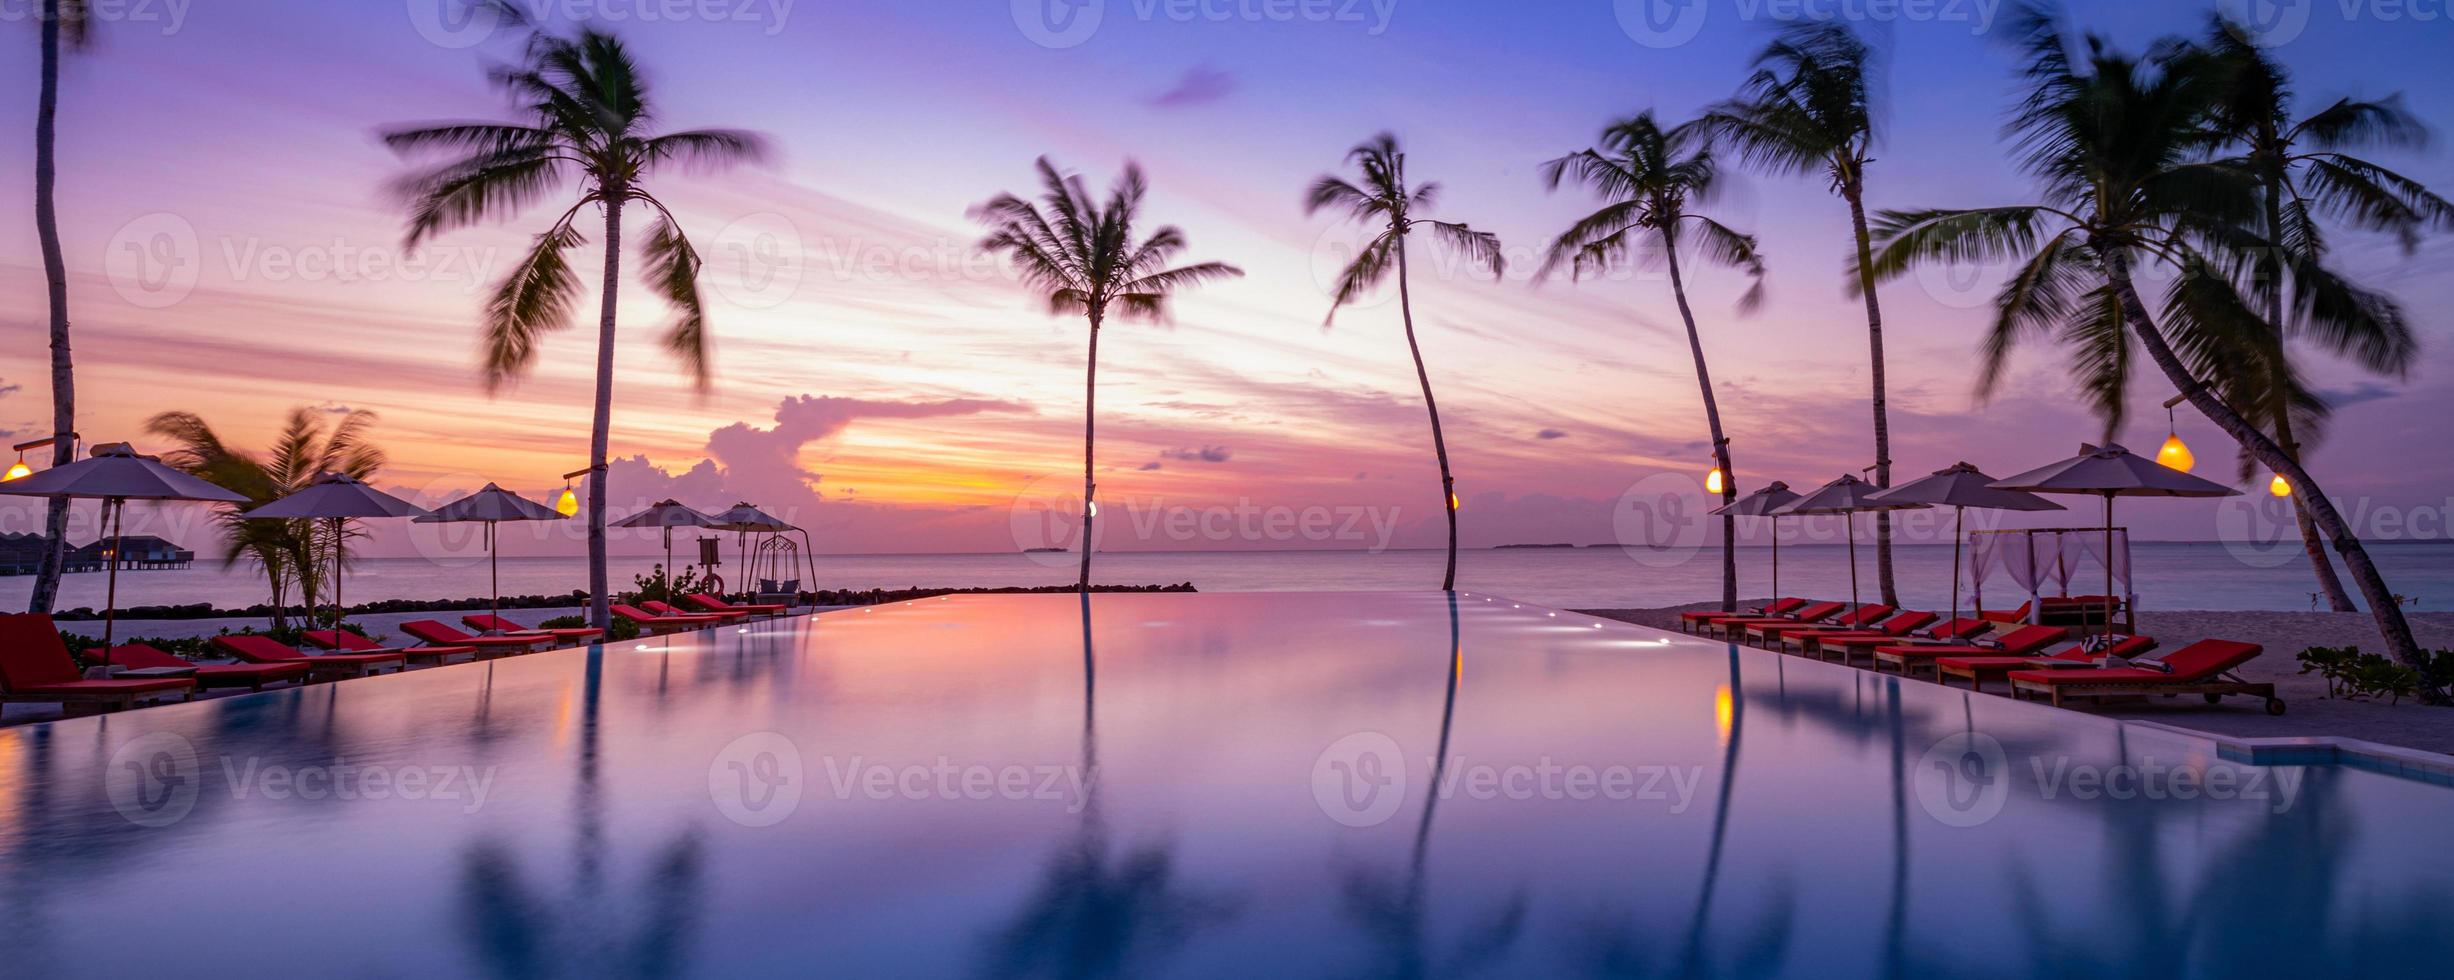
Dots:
{"x": 569, "y": 504}
{"x": 1453, "y": 502}
{"x": 2176, "y": 454}
{"x": 2279, "y": 486}
{"x": 1712, "y": 481}
{"x": 19, "y": 471}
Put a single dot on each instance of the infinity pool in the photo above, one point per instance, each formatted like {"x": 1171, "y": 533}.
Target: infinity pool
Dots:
{"x": 1198, "y": 785}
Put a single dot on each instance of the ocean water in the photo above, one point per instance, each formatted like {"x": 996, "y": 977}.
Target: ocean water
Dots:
{"x": 2171, "y": 575}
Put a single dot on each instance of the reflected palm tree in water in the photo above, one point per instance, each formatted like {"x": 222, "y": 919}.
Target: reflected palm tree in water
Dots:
{"x": 1096, "y": 913}
{"x": 514, "y": 928}
{"x": 1392, "y": 914}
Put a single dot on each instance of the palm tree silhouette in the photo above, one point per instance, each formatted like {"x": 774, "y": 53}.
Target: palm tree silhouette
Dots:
{"x": 1385, "y": 200}
{"x": 1084, "y": 255}
{"x": 292, "y": 552}
{"x": 1648, "y": 177}
{"x": 588, "y": 110}
{"x": 65, "y": 23}
{"x": 1807, "y": 108}
{"x": 2304, "y": 168}
{"x": 2116, "y": 143}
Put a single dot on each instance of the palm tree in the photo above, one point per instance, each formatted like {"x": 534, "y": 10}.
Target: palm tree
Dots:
{"x": 2116, "y": 144}
{"x": 1807, "y": 108}
{"x": 1384, "y": 200}
{"x": 1084, "y": 255}
{"x": 588, "y": 111}
{"x": 1648, "y": 177}
{"x": 289, "y": 552}
{"x": 65, "y": 23}
{"x": 2304, "y": 169}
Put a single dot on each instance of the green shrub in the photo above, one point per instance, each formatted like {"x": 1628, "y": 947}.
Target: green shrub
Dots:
{"x": 2358, "y": 676}
{"x": 622, "y": 629}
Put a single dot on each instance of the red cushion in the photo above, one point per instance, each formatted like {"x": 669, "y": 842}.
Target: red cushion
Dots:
{"x": 341, "y": 640}
{"x": 133, "y": 685}
{"x": 31, "y": 652}
{"x": 141, "y": 655}
{"x": 257, "y": 649}
{"x": 2193, "y": 663}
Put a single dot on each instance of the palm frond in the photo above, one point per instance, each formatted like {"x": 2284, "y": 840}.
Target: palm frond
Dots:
{"x": 1968, "y": 236}
{"x": 535, "y": 298}
{"x": 1371, "y": 265}
{"x": 673, "y": 272}
{"x": 1479, "y": 247}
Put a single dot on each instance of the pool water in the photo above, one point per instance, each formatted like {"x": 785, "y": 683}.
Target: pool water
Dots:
{"x": 1193, "y": 785}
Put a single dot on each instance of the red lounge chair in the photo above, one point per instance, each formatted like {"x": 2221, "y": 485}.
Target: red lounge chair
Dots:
{"x": 348, "y": 642}
{"x": 568, "y": 634}
{"x": 2022, "y": 642}
{"x": 668, "y": 609}
{"x": 1863, "y": 617}
{"x": 442, "y": 634}
{"x": 1977, "y": 668}
{"x": 2019, "y": 615}
{"x": 1737, "y": 626}
{"x": 1954, "y": 633}
{"x": 1897, "y": 626}
{"x": 250, "y": 676}
{"x": 258, "y": 649}
{"x": 2203, "y": 668}
{"x": 715, "y": 604}
{"x": 1693, "y": 621}
{"x": 35, "y": 667}
{"x": 661, "y": 625}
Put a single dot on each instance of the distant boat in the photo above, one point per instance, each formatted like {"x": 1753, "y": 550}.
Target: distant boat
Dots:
{"x": 1559, "y": 545}
{"x": 1046, "y": 551}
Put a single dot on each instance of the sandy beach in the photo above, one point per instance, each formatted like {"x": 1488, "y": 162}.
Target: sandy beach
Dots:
{"x": 2283, "y": 634}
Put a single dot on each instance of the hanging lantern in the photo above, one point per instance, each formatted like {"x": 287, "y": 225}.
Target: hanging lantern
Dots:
{"x": 19, "y": 471}
{"x": 568, "y": 505}
{"x": 1713, "y": 482}
{"x": 2279, "y": 486}
{"x": 1453, "y": 502}
{"x": 2176, "y": 453}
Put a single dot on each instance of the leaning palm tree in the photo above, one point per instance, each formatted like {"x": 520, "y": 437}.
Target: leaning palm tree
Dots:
{"x": 2116, "y": 144}
{"x": 1384, "y": 200}
{"x": 65, "y": 23}
{"x": 588, "y": 111}
{"x": 2305, "y": 168}
{"x": 1648, "y": 178}
{"x": 1084, "y": 255}
{"x": 1806, "y": 109}
{"x": 288, "y": 552}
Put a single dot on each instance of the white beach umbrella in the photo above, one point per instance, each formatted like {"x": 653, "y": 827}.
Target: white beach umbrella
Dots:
{"x": 667, "y": 514}
{"x": 1765, "y": 503}
{"x": 1846, "y": 496}
{"x": 744, "y": 520}
{"x": 1961, "y": 486}
{"x": 337, "y": 498}
{"x": 2111, "y": 471}
{"x": 491, "y": 505}
{"x": 115, "y": 474}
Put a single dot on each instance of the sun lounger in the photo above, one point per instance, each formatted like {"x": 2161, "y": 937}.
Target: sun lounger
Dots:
{"x": 259, "y": 649}
{"x": 485, "y": 622}
{"x": 1863, "y": 617}
{"x": 2022, "y": 642}
{"x": 345, "y": 641}
{"x": 715, "y": 604}
{"x": 250, "y": 676}
{"x": 2203, "y": 668}
{"x": 36, "y": 668}
{"x": 1850, "y": 647}
{"x": 661, "y": 625}
{"x": 1814, "y": 613}
{"x": 1806, "y": 639}
{"x": 661, "y": 608}
{"x": 442, "y": 634}
{"x": 1694, "y": 621}
{"x": 1977, "y": 669}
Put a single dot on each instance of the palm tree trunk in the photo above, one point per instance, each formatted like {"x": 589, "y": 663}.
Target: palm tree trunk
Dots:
{"x": 1856, "y": 195}
{"x": 1712, "y": 419}
{"x": 2328, "y": 582}
{"x": 1090, "y": 417}
{"x": 1440, "y": 446}
{"x": 600, "y": 429}
{"x": 55, "y": 280}
{"x": 2391, "y": 625}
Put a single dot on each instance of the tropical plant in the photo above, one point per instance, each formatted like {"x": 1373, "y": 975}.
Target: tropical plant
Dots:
{"x": 654, "y": 587}
{"x": 1648, "y": 178}
{"x": 291, "y": 553}
{"x": 588, "y": 111}
{"x": 1084, "y": 255}
{"x": 65, "y": 24}
{"x": 1807, "y": 109}
{"x": 2305, "y": 169}
{"x": 1384, "y": 201}
{"x": 2115, "y": 142}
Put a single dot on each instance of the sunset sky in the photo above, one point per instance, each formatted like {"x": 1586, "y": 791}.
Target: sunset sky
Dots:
{"x": 233, "y": 252}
